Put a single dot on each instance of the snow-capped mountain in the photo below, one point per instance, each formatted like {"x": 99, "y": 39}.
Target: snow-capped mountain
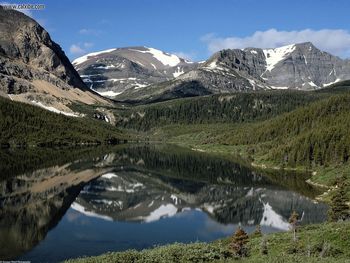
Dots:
{"x": 113, "y": 71}
{"x": 298, "y": 66}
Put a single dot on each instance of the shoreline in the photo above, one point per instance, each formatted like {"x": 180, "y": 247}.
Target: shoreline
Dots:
{"x": 265, "y": 166}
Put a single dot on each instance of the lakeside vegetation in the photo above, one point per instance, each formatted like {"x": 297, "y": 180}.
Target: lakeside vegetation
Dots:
{"x": 23, "y": 125}
{"x": 326, "y": 242}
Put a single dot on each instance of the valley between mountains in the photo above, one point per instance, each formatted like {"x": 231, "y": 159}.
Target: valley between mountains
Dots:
{"x": 284, "y": 108}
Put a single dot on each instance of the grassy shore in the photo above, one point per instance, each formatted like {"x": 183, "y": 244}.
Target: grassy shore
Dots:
{"x": 330, "y": 239}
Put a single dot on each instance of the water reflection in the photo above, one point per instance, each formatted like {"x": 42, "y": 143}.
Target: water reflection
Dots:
{"x": 139, "y": 196}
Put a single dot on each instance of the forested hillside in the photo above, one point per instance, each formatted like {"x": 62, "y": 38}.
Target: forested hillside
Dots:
{"x": 225, "y": 108}
{"x": 291, "y": 128}
{"x": 312, "y": 135}
{"x": 22, "y": 125}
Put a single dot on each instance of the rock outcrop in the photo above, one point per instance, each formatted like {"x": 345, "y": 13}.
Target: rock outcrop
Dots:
{"x": 33, "y": 68}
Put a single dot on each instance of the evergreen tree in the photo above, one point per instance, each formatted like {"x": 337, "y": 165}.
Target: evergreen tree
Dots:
{"x": 239, "y": 243}
{"x": 339, "y": 208}
{"x": 257, "y": 232}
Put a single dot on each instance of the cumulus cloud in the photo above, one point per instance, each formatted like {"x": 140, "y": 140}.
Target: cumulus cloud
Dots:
{"x": 335, "y": 41}
{"x": 80, "y": 49}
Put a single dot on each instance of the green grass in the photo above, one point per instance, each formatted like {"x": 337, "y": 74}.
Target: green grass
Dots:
{"x": 310, "y": 238}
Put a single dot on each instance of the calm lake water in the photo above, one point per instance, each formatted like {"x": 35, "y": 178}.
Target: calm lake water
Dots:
{"x": 59, "y": 204}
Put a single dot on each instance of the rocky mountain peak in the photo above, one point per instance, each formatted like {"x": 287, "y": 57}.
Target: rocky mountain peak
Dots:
{"x": 113, "y": 71}
{"x": 34, "y": 69}
{"x": 25, "y": 40}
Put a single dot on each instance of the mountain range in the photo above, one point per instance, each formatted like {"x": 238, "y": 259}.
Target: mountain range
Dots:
{"x": 34, "y": 69}
{"x": 142, "y": 73}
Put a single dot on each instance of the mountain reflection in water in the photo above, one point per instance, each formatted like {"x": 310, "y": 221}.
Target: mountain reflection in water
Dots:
{"x": 140, "y": 196}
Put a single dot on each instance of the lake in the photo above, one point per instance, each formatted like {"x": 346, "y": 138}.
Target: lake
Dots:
{"x": 57, "y": 204}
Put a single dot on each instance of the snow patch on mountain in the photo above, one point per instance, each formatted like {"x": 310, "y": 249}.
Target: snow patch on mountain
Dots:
{"x": 109, "y": 93}
{"x": 275, "y": 55}
{"x": 276, "y": 87}
{"x": 105, "y": 67}
{"x": 165, "y": 58}
{"x": 52, "y": 109}
{"x": 212, "y": 64}
{"x": 311, "y": 83}
{"x": 139, "y": 85}
{"x": 109, "y": 175}
{"x": 330, "y": 83}
{"x": 82, "y": 59}
{"x": 179, "y": 71}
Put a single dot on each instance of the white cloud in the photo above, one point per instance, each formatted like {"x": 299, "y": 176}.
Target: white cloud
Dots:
{"x": 89, "y": 32}
{"x": 188, "y": 56}
{"x": 80, "y": 49}
{"x": 76, "y": 49}
{"x": 335, "y": 41}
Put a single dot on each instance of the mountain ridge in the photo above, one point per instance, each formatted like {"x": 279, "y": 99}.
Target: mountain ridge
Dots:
{"x": 299, "y": 66}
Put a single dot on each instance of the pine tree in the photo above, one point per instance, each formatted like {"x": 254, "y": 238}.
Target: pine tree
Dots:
{"x": 339, "y": 209}
{"x": 239, "y": 243}
{"x": 257, "y": 232}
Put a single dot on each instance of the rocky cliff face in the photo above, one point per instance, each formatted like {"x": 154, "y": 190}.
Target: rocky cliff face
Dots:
{"x": 113, "y": 71}
{"x": 34, "y": 68}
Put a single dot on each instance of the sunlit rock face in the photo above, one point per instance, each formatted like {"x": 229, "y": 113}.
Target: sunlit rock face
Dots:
{"x": 34, "y": 69}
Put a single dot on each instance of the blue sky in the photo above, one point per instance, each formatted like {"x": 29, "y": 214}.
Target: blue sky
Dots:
{"x": 194, "y": 28}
